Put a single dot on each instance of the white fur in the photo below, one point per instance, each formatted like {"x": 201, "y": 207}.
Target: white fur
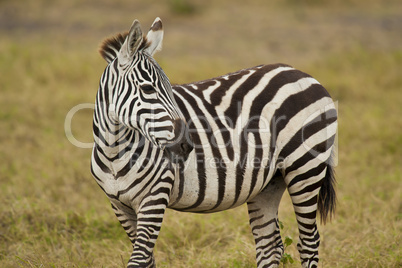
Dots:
{"x": 155, "y": 38}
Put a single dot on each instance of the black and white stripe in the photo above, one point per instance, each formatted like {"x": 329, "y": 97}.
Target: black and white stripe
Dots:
{"x": 213, "y": 145}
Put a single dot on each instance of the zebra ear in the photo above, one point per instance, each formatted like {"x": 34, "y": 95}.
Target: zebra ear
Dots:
{"x": 155, "y": 37}
{"x": 132, "y": 42}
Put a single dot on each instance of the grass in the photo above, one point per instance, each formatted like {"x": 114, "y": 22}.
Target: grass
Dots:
{"x": 53, "y": 214}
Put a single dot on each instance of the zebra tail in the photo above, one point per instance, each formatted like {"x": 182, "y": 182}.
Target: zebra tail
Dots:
{"x": 327, "y": 195}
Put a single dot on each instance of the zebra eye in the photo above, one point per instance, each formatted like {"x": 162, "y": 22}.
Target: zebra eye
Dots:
{"x": 148, "y": 88}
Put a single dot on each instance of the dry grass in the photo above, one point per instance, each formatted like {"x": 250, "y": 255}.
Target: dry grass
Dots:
{"x": 54, "y": 215}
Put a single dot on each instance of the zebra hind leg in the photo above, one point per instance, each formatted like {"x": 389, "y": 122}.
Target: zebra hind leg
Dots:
{"x": 263, "y": 213}
{"x": 303, "y": 187}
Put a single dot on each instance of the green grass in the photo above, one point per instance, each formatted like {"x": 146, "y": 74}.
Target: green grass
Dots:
{"x": 52, "y": 213}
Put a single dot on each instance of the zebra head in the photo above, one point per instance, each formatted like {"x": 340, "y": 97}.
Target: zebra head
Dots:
{"x": 141, "y": 96}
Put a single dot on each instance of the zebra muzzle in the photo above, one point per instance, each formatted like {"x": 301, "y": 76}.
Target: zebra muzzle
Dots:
{"x": 182, "y": 146}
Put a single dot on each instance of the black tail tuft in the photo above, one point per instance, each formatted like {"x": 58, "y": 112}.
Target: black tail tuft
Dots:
{"x": 327, "y": 196}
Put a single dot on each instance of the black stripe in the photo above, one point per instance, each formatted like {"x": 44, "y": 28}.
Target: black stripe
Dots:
{"x": 311, "y": 154}
{"x": 312, "y": 172}
{"x": 240, "y": 168}
{"x": 297, "y": 102}
{"x": 317, "y": 124}
{"x": 258, "y": 156}
{"x": 138, "y": 151}
{"x": 199, "y": 152}
{"x": 100, "y": 164}
{"x": 144, "y": 74}
{"x": 155, "y": 169}
{"x": 237, "y": 99}
{"x": 181, "y": 183}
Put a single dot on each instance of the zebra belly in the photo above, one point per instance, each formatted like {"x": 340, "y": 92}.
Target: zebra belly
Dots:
{"x": 211, "y": 192}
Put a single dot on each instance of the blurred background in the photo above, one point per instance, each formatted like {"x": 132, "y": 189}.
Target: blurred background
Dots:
{"x": 53, "y": 214}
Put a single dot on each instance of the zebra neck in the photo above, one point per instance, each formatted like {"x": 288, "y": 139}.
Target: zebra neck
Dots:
{"x": 120, "y": 140}
{"x": 129, "y": 154}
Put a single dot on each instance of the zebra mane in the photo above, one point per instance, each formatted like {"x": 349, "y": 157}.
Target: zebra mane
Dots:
{"x": 110, "y": 47}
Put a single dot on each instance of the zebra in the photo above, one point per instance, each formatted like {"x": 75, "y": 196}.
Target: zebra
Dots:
{"x": 209, "y": 146}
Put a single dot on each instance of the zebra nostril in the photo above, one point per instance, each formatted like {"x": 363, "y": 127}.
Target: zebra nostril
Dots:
{"x": 186, "y": 148}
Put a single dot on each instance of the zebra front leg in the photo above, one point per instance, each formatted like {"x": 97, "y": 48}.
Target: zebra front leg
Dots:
{"x": 263, "y": 213}
{"x": 149, "y": 222}
{"x": 127, "y": 218}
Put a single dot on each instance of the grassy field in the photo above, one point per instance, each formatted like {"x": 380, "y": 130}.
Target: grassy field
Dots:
{"x": 52, "y": 213}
